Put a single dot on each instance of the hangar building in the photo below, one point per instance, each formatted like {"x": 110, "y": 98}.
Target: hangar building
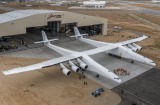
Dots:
{"x": 25, "y": 21}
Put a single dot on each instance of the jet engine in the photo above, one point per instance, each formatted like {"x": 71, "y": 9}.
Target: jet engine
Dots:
{"x": 137, "y": 46}
{"x": 132, "y": 47}
{"x": 82, "y": 64}
{"x": 73, "y": 66}
{"x": 65, "y": 70}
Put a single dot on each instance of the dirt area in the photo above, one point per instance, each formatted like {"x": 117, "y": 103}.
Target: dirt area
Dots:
{"x": 36, "y": 6}
{"x": 148, "y": 6}
{"x": 112, "y": 4}
{"x": 120, "y": 36}
{"x": 152, "y": 18}
{"x": 48, "y": 87}
{"x": 112, "y": 17}
{"x": 2, "y": 11}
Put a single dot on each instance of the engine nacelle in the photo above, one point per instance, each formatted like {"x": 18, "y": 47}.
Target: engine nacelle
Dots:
{"x": 82, "y": 64}
{"x": 137, "y": 46}
{"x": 132, "y": 47}
{"x": 73, "y": 66}
{"x": 65, "y": 70}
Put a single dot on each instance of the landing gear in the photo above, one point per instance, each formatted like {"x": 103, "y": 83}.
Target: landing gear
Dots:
{"x": 132, "y": 61}
{"x": 114, "y": 55}
{"x": 97, "y": 75}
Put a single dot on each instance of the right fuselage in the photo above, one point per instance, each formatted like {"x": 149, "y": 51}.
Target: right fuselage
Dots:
{"x": 129, "y": 54}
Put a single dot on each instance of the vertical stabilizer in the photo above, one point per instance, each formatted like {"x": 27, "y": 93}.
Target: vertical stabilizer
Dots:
{"x": 44, "y": 36}
{"x": 77, "y": 33}
{"x": 45, "y": 39}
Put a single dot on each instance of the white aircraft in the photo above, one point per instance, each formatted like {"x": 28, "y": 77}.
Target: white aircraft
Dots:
{"x": 78, "y": 60}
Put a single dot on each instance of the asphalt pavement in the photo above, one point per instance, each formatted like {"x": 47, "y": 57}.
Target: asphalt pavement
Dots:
{"x": 141, "y": 90}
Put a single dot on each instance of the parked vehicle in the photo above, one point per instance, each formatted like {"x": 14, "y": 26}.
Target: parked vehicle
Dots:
{"x": 97, "y": 92}
{"x": 100, "y": 90}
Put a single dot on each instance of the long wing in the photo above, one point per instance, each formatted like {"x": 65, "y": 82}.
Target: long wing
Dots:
{"x": 112, "y": 46}
{"x": 41, "y": 65}
{"x": 100, "y": 49}
{"x": 93, "y": 42}
{"x": 100, "y": 44}
{"x": 133, "y": 40}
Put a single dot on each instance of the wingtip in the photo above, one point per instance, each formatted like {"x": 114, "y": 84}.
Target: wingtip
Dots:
{"x": 145, "y": 36}
{"x": 5, "y": 72}
{"x": 56, "y": 38}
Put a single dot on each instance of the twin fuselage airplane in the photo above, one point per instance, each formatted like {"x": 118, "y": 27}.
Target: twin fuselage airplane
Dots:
{"x": 81, "y": 60}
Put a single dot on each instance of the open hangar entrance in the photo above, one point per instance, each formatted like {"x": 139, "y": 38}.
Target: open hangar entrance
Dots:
{"x": 53, "y": 29}
{"x": 91, "y": 30}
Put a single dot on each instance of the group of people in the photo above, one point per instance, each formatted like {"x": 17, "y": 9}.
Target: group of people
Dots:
{"x": 24, "y": 43}
{"x": 82, "y": 76}
{"x": 121, "y": 71}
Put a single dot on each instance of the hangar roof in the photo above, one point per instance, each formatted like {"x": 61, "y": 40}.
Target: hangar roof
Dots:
{"x": 21, "y": 14}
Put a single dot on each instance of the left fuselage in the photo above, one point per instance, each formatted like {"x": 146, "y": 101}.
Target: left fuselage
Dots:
{"x": 97, "y": 68}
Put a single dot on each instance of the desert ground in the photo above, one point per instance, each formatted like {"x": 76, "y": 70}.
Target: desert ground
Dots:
{"x": 150, "y": 17}
{"x": 2, "y": 11}
{"x": 149, "y": 6}
{"x": 48, "y": 87}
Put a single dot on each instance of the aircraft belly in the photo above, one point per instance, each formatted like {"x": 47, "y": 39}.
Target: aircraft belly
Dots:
{"x": 97, "y": 68}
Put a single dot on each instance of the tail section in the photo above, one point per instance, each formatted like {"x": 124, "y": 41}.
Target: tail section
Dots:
{"x": 89, "y": 41}
{"x": 44, "y": 36}
{"x": 45, "y": 39}
{"x": 77, "y": 33}
{"x": 60, "y": 50}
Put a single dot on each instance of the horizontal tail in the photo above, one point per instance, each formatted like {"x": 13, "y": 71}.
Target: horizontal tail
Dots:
{"x": 45, "y": 39}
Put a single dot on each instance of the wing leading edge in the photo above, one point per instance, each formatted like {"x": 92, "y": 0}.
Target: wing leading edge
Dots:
{"x": 41, "y": 65}
{"x": 100, "y": 44}
{"x": 133, "y": 40}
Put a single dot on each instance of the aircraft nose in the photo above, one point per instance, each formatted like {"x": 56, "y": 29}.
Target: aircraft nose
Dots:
{"x": 118, "y": 80}
{"x": 153, "y": 64}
